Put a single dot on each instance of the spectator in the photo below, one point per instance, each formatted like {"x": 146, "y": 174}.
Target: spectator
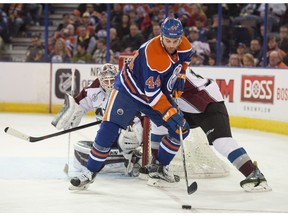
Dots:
{"x": 99, "y": 56}
{"x": 197, "y": 12}
{"x": 273, "y": 41}
{"x": 275, "y": 13}
{"x": 212, "y": 59}
{"x": 283, "y": 33}
{"x": 94, "y": 15}
{"x": 65, "y": 21}
{"x": 234, "y": 60}
{"x": 75, "y": 19}
{"x": 275, "y": 60}
{"x": 81, "y": 56}
{"x": 35, "y": 52}
{"x": 143, "y": 21}
{"x": 51, "y": 44}
{"x": 34, "y": 13}
{"x": 116, "y": 14}
{"x": 16, "y": 18}
{"x": 59, "y": 54}
{"x": 115, "y": 45}
{"x": 199, "y": 23}
{"x": 100, "y": 30}
{"x": 241, "y": 50}
{"x": 86, "y": 21}
{"x": 202, "y": 49}
{"x": 133, "y": 40}
{"x": 86, "y": 38}
{"x": 197, "y": 59}
{"x": 248, "y": 60}
{"x": 212, "y": 38}
{"x": 4, "y": 26}
{"x": 123, "y": 27}
{"x": 256, "y": 51}
{"x": 68, "y": 34}
{"x": 262, "y": 28}
{"x": 156, "y": 30}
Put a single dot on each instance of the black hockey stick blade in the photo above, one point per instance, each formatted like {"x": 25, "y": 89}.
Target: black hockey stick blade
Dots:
{"x": 23, "y": 136}
{"x": 192, "y": 188}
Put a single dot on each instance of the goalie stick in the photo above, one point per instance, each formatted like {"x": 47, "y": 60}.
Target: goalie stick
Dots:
{"x": 28, "y": 138}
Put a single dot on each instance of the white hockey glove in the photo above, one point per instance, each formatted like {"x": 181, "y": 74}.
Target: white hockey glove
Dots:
{"x": 70, "y": 115}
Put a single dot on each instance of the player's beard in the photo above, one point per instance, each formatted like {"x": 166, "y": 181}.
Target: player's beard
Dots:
{"x": 171, "y": 51}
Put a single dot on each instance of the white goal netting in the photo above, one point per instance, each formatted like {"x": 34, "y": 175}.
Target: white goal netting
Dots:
{"x": 202, "y": 161}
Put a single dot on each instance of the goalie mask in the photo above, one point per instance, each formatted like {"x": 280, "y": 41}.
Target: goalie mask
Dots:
{"x": 107, "y": 76}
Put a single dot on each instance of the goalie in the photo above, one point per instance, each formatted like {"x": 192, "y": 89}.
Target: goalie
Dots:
{"x": 127, "y": 149}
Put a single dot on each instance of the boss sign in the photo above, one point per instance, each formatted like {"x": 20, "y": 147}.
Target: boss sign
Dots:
{"x": 257, "y": 89}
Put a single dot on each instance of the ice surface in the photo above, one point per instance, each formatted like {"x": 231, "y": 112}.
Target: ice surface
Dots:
{"x": 32, "y": 178}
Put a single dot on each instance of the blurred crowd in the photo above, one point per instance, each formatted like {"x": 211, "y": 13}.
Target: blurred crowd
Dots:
{"x": 81, "y": 36}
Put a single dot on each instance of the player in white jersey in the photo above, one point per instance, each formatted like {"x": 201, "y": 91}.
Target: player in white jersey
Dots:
{"x": 95, "y": 97}
{"x": 203, "y": 106}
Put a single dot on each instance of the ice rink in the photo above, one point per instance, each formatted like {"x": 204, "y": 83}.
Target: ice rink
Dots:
{"x": 32, "y": 178}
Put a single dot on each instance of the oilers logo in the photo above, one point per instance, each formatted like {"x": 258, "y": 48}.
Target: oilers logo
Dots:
{"x": 173, "y": 78}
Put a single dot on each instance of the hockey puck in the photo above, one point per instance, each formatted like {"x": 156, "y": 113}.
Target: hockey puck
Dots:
{"x": 186, "y": 206}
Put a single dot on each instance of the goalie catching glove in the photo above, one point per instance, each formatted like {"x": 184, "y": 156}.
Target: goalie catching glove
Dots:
{"x": 70, "y": 115}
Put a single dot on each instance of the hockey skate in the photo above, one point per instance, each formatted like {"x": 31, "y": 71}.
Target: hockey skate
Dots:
{"x": 83, "y": 181}
{"x": 159, "y": 176}
{"x": 255, "y": 182}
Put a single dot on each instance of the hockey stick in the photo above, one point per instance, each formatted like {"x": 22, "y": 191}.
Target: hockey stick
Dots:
{"x": 193, "y": 187}
{"x": 28, "y": 138}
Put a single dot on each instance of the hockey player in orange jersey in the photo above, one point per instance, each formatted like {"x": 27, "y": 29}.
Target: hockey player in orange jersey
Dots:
{"x": 156, "y": 71}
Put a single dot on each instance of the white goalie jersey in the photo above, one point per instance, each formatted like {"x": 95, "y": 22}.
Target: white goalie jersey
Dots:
{"x": 95, "y": 97}
{"x": 92, "y": 97}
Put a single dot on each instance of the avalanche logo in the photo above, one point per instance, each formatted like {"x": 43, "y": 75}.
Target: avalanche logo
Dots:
{"x": 63, "y": 81}
{"x": 257, "y": 89}
{"x": 173, "y": 78}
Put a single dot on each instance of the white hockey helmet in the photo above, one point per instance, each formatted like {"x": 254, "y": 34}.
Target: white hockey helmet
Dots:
{"x": 107, "y": 75}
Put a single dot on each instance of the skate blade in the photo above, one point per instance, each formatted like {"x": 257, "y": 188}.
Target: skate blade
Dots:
{"x": 262, "y": 187}
{"x": 74, "y": 188}
{"x": 153, "y": 182}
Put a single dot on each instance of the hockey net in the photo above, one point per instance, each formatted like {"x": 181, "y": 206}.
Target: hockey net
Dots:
{"x": 202, "y": 161}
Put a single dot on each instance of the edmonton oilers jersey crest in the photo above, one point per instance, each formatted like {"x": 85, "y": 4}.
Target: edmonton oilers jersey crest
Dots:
{"x": 173, "y": 78}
